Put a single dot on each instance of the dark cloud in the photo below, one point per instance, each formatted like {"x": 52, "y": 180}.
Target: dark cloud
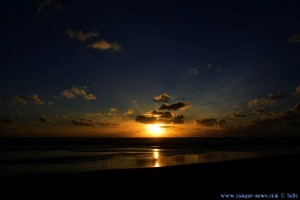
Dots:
{"x": 34, "y": 98}
{"x": 17, "y": 112}
{"x": 146, "y": 119}
{"x": 103, "y": 45}
{"x": 108, "y": 124}
{"x": 162, "y": 98}
{"x": 175, "y": 106}
{"x": 178, "y": 119}
{"x": 289, "y": 116}
{"x": 297, "y": 92}
{"x": 295, "y": 39}
{"x": 237, "y": 114}
{"x": 276, "y": 96}
{"x": 42, "y": 119}
{"x": 210, "y": 122}
{"x": 269, "y": 100}
{"x": 41, "y": 5}
{"x": 156, "y": 117}
{"x": 258, "y": 110}
{"x": 5, "y": 120}
{"x": 82, "y": 122}
{"x": 19, "y": 100}
{"x": 80, "y": 35}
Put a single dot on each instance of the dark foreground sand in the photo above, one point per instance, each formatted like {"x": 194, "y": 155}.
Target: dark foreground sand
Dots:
{"x": 277, "y": 174}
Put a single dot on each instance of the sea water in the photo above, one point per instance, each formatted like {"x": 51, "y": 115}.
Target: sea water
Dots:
{"x": 19, "y": 156}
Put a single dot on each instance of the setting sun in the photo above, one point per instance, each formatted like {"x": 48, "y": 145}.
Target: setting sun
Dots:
{"x": 155, "y": 129}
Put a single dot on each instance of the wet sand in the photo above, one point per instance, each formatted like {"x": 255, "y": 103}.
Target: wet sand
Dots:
{"x": 276, "y": 174}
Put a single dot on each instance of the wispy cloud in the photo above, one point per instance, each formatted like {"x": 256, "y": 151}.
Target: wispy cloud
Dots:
{"x": 113, "y": 109}
{"x": 258, "y": 110}
{"x": 5, "y": 120}
{"x": 34, "y": 98}
{"x": 19, "y": 100}
{"x": 42, "y": 119}
{"x": 41, "y": 5}
{"x": 80, "y": 35}
{"x": 270, "y": 99}
{"x": 211, "y": 122}
{"x": 297, "y": 92}
{"x": 295, "y": 39}
{"x": 75, "y": 91}
{"x": 194, "y": 71}
{"x": 129, "y": 112}
{"x": 237, "y": 114}
{"x": 17, "y": 112}
{"x": 82, "y": 122}
{"x": 103, "y": 45}
{"x": 162, "y": 98}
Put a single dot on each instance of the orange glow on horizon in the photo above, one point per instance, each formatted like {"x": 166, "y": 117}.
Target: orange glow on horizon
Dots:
{"x": 155, "y": 129}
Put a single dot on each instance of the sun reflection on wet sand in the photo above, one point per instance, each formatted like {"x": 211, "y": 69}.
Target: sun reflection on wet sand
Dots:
{"x": 156, "y": 157}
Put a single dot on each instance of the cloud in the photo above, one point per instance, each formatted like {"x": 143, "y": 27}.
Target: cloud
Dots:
{"x": 34, "y": 98}
{"x": 295, "y": 39}
{"x": 146, "y": 119}
{"x": 290, "y": 116}
{"x": 5, "y": 120}
{"x": 129, "y": 112}
{"x": 237, "y": 114}
{"x": 269, "y": 100}
{"x": 41, "y": 5}
{"x": 50, "y": 103}
{"x": 156, "y": 117}
{"x": 94, "y": 115}
{"x": 297, "y": 92}
{"x": 68, "y": 94}
{"x": 90, "y": 97}
{"x": 19, "y": 100}
{"x": 113, "y": 109}
{"x": 42, "y": 119}
{"x": 175, "y": 106}
{"x": 82, "y": 122}
{"x": 103, "y": 45}
{"x": 108, "y": 124}
{"x": 78, "y": 91}
{"x": 80, "y": 35}
{"x": 258, "y": 110}
{"x": 209, "y": 66}
{"x": 162, "y": 98}
{"x": 296, "y": 108}
{"x": 194, "y": 71}
{"x": 74, "y": 91}
{"x": 17, "y": 112}
{"x": 210, "y": 122}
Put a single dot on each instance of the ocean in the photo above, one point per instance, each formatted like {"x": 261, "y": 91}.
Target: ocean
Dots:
{"x": 33, "y": 156}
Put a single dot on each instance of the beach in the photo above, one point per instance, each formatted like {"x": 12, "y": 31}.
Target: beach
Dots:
{"x": 266, "y": 175}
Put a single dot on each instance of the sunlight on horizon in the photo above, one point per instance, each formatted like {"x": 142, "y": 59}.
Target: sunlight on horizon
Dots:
{"x": 155, "y": 129}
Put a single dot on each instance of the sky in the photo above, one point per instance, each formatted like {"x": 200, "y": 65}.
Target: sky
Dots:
{"x": 123, "y": 68}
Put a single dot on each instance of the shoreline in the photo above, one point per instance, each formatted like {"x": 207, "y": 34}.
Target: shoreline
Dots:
{"x": 274, "y": 174}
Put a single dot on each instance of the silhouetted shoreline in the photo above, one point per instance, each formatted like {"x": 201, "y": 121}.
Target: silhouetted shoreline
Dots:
{"x": 275, "y": 174}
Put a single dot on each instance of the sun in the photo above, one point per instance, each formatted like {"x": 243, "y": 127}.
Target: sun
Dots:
{"x": 155, "y": 129}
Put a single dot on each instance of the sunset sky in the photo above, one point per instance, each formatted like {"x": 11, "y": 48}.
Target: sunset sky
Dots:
{"x": 113, "y": 68}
